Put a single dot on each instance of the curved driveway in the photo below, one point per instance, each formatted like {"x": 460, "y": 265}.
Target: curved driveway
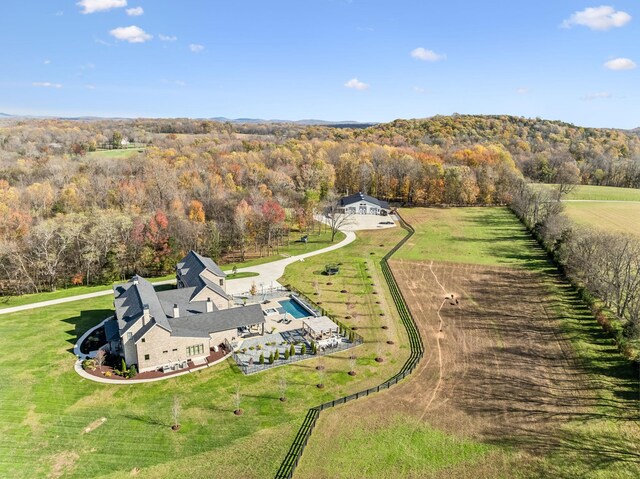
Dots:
{"x": 268, "y": 274}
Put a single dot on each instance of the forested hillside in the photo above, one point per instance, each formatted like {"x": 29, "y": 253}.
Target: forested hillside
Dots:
{"x": 79, "y": 205}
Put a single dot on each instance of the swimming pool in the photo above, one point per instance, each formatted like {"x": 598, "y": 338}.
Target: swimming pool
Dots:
{"x": 295, "y": 309}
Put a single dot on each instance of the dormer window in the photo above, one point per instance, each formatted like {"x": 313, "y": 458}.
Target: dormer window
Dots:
{"x": 221, "y": 282}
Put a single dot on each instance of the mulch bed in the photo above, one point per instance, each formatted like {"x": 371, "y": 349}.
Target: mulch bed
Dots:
{"x": 213, "y": 356}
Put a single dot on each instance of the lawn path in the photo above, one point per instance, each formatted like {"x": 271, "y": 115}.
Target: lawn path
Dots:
{"x": 268, "y": 274}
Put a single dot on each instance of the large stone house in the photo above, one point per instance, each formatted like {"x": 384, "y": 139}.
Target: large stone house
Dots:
{"x": 362, "y": 204}
{"x": 153, "y": 328}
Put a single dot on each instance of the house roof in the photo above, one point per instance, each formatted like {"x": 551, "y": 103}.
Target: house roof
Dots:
{"x": 358, "y": 197}
{"x": 130, "y": 299}
{"x": 201, "y": 325}
{"x": 182, "y": 298}
{"x": 320, "y": 324}
{"x": 193, "y": 264}
{"x": 111, "y": 330}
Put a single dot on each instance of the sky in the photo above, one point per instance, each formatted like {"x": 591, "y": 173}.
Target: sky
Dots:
{"x": 362, "y": 60}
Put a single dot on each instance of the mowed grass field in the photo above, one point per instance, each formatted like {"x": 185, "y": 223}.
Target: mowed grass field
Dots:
{"x": 604, "y": 193}
{"x": 56, "y": 424}
{"x": 518, "y": 380}
{"x": 117, "y": 154}
{"x": 608, "y": 216}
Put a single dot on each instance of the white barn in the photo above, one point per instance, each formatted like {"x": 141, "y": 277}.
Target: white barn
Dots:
{"x": 362, "y": 204}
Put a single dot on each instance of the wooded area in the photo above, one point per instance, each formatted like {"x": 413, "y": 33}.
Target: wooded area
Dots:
{"x": 71, "y": 215}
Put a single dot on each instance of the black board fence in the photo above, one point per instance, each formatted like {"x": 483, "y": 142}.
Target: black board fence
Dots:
{"x": 416, "y": 345}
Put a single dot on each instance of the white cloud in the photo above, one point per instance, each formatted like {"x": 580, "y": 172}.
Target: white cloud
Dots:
{"x": 418, "y": 89}
{"x": 620, "y": 64}
{"x": 596, "y": 96}
{"x": 427, "y": 55}
{"x": 102, "y": 42}
{"x": 356, "y": 84}
{"x": 47, "y": 62}
{"x": 90, "y": 87}
{"x": 522, "y": 90}
{"x": 598, "y": 18}
{"x": 195, "y": 48}
{"x": 46, "y": 84}
{"x": 131, "y": 34}
{"x": 167, "y": 38}
{"x": 92, "y": 6}
{"x": 135, "y": 12}
{"x": 59, "y": 13}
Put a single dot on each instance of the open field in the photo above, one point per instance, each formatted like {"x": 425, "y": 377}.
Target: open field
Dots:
{"x": 117, "y": 154}
{"x": 608, "y": 216}
{"x": 51, "y": 423}
{"x": 604, "y": 193}
{"x": 518, "y": 380}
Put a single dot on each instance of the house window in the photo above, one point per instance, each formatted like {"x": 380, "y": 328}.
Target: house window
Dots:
{"x": 195, "y": 350}
{"x": 143, "y": 340}
{"x": 129, "y": 335}
{"x": 165, "y": 352}
{"x": 175, "y": 349}
{"x": 222, "y": 282}
{"x": 146, "y": 357}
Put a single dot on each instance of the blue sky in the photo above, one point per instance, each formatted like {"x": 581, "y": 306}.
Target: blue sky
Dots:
{"x": 366, "y": 60}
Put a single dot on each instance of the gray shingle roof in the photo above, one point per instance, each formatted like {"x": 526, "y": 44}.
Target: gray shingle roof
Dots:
{"x": 202, "y": 325}
{"x": 182, "y": 297}
{"x": 111, "y": 330}
{"x": 130, "y": 299}
{"x": 193, "y": 264}
{"x": 357, "y": 197}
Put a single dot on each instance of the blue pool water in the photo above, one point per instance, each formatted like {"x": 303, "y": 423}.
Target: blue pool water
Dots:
{"x": 294, "y": 308}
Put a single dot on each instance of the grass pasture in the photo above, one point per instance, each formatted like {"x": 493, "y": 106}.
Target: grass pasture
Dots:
{"x": 603, "y": 193}
{"x": 609, "y": 216}
{"x": 120, "y": 154}
{"x": 52, "y": 420}
{"x": 518, "y": 380}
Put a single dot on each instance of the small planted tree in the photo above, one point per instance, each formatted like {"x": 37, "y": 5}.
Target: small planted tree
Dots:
{"x": 282, "y": 384}
{"x": 287, "y": 354}
{"x": 314, "y": 348}
{"x": 261, "y": 360}
{"x": 352, "y": 365}
{"x": 292, "y": 350}
{"x": 321, "y": 378}
{"x": 276, "y": 355}
{"x": 237, "y": 399}
{"x": 176, "y": 409}
{"x": 271, "y": 358}
{"x": 100, "y": 358}
{"x": 124, "y": 367}
{"x": 303, "y": 349}
{"x": 379, "y": 357}
{"x": 254, "y": 289}
{"x": 132, "y": 371}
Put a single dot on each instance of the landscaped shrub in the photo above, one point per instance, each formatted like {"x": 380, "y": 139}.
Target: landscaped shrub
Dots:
{"x": 277, "y": 354}
{"x": 261, "y": 360}
{"x": 292, "y": 350}
{"x": 124, "y": 367}
{"x": 132, "y": 371}
{"x": 287, "y": 354}
{"x": 303, "y": 349}
{"x": 314, "y": 348}
{"x": 89, "y": 364}
{"x": 271, "y": 358}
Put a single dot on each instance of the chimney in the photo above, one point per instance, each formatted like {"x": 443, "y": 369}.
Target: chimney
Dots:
{"x": 209, "y": 305}
{"x": 145, "y": 314}
{"x": 135, "y": 280}
{"x": 176, "y": 310}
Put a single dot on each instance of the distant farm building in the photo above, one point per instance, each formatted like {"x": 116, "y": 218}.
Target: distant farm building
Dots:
{"x": 362, "y": 204}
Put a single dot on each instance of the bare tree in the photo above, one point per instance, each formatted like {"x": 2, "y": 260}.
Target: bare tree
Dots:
{"x": 237, "y": 400}
{"x": 337, "y": 218}
{"x": 176, "y": 409}
{"x": 283, "y": 387}
{"x": 100, "y": 358}
{"x": 352, "y": 365}
{"x": 321, "y": 378}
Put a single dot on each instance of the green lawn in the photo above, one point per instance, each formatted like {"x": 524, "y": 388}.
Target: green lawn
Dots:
{"x": 604, "y": 193}
{"x": 316, "y": 241}
{"x": 46, "y": 407}
{"x": 487, "y": 236}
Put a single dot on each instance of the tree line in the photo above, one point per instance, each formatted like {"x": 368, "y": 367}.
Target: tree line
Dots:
{"x": 604, "y": 266}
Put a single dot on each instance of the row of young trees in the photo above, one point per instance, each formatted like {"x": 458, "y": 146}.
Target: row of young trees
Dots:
{"x": 605, "y": 266}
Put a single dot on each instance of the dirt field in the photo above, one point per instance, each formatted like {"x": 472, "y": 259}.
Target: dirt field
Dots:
{"x": 497, "y": 365}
